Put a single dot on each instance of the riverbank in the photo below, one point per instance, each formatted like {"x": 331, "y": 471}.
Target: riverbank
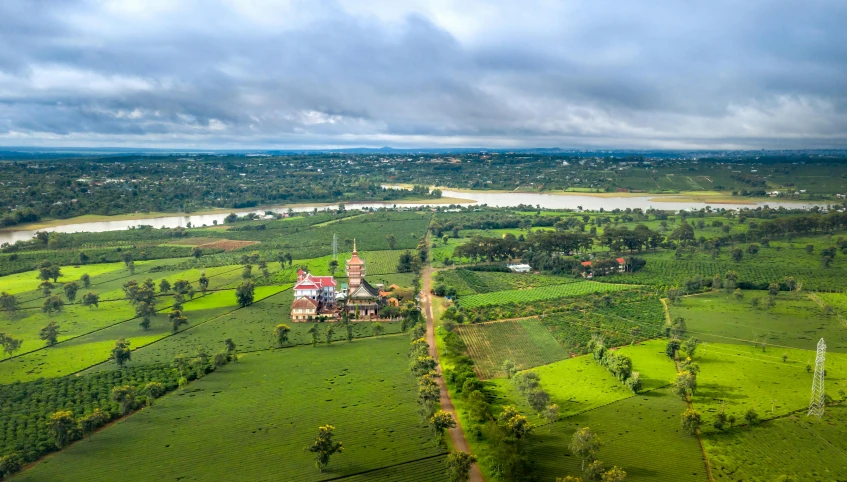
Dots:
{"x": 95, "y": 218}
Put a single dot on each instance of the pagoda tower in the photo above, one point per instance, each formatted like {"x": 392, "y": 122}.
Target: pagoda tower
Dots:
{"x": 355, "y": 268}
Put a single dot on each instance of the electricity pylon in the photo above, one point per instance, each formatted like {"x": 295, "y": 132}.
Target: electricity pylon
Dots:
{"x": 335, "y": 247}
{"x": 816, "y": 405}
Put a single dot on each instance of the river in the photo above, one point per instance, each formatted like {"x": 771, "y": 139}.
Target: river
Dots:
{"x": 495, "y": 199}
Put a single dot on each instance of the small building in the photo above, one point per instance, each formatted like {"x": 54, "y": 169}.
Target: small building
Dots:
{"x": 519, "y": 268}
{"x": 304, "y": 309}
{"x": 603, "y": 267}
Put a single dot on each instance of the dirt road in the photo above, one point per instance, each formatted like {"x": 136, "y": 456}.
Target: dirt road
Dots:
{"x": 456, "y": 434}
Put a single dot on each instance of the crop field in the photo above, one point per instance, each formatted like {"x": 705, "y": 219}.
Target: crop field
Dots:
{"x": 93, "y": 347}
{"x": 625, "y": 322}
{"x": 804, "y": 447}
{"x": 794, "y": 321}
{"x": 467, "y": 282}
{"x": 640, "y": 434}
{"x": 270, "y": 403}
{"x": 441, "y": 251}
{"x": 740, "y": 377}
{"x": 836, "y": 301}
{"x": 539, "y": 294}
{"x": 524, "y": 342}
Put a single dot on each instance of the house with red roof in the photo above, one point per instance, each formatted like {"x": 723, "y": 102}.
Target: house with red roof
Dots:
{"x": 313, "y": 296}
{"x": 602, "y": 267}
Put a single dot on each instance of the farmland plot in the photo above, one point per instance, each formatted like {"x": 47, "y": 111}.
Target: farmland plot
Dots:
{"x": 539, "y": 294}
{"x": 804, "y": 447}
{"x": 270, "y": 403}
{"x": 467, "y": 282}
{"x": 524, "y": 342}
{"x": 641, "y": 435}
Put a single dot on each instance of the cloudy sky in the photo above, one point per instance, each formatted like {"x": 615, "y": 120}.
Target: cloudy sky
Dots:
{"x": 438, "y": 73}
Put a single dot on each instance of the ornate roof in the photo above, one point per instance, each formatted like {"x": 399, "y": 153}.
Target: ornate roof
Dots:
{"x": 304, "y": 303}
{"x": 355, "y": 260}
{"x": 364, "y": 291}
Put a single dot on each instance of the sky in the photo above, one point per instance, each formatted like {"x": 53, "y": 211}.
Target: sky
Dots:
{"x": 265, "y": 74}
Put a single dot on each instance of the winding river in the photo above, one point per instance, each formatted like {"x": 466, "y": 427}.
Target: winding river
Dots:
{"x": 496, "y": 199}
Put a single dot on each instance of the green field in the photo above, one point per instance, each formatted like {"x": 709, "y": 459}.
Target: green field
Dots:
{"x": 524, "y": 342}
{"x": 467, "y": 282}
{"x": 640, "y": 434}
{"x": 803, "y": 447}
{"x": 740, "y": 377}
{"x": 795, "y": 321}
{"x": 539, "y": 294}
{"x": 255, "y": 417}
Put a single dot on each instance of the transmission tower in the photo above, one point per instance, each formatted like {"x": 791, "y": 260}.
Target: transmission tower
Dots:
{"x": 335, "y": 246}
{"x": 816, "y": 406}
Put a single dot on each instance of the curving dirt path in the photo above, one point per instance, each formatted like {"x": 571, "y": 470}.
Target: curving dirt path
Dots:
{"x": 457, "y": 436}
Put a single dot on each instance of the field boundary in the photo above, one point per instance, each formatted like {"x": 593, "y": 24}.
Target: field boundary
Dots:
{"x": 814, "y": 297}
{"x": 442, "y": 454}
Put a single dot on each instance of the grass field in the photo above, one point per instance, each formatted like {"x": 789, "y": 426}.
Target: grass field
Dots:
{"x": 525, "y": 342}
{"x": 795, "y": 321}
{"x": 640, "y": 434}
{"x": 94, "y": 346}
{"x": 540, "y": 294}
{"x": 255, "y": 417}
{"x": 804, "y": 447}
{"x": 28, "y": 280}
{"x": 742, "y": 377}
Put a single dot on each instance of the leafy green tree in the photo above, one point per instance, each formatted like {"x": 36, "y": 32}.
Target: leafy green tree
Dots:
{"x": 46, "y": 287}
{"x": 392, "y": 241}
{"x": 50, "y": 333}
{"x": 244, "y": 293}
{"x": 197, "y": 252}
{"x": 459, "y": 466}
{"x": 281, "y": 333}
{"x": 422, "y": 365}
{"x": 10, "y": 345}
{"x": 515, "y": 425}
{"x": 229, "y": 347}
{"x": 10, "y": 465}
{"x": 145, "y": 310}
{"x": 672, "y": 348}
{"x": 333, "y": 266}
{"x": 125, "y": 396}
{"x": 585, "y": 445}
{"x": 773, "y": 289}
{"x": 91, "y": 422}
{"x": 178, "y": 319}
{"x": 164, "y": 286}
{"x": 720, "y": 420}
{"x": 8, "y": 303}
{"x": 737, "y": 255}
{"x": 152, "y": 391}
{"x": 181, "y": 286}
{"x": 204, "y": 283}
{"x": 691, "y": 421}
{"x": 751, "y": 416}
{"x": 85, "y": 279}
{"x": 690, "y": 346}
{"x": 594, "y": 472}
{"x": 551, "y": 413}
{"x": 615, "y": 474}
{"x": 121, "y": 352}
{"x": 329, "y": 332}
{"x": 52, "y": 304}
{"x": 62, "y": 427}
{"x": 91, "y": 299}
{"x": 685, "y": 384}
{"x": 510, "y": 368}
{"x": 325, "y": 447}
{"x": 313, "y": 330}
{"x": 71, "y": 290}
{"x": 378, "y": 330}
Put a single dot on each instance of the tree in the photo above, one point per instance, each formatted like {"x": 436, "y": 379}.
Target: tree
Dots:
{"x": 720, "y": 420}
{"x": 551, "y": 413}
{"x": 810, "y": 248}
{"x": 569, "y": 478}
{"x": 685, "y": 384}
{"x": 752, "y": 416}
{"x": 314, "y": 332}
{"x": 152, "y": 391}
{"x": 164, "y": 286}
{"x": 125, "y": 396}
{"x": 197, "y": 252}
{"x": 737, "y": 255}
{"x": 247, "y": 272}
{"x": 244, "y": 293}
{"x": 204, "y": 283}
{"x": 773, "y": 289}
{"x": 8, "y": 302}
{"x": 325, "y": 447}
{"x": 229, "y": 347}
{"x": 121, "y": 352}
{"x": 392, "y": 241}
{"x": 378, "y": 330}
{"x": 333, "y": 266}
{"x": 85, "y": 279}
{"x": 459, "y": 466}
{"x": 790, "y": 282}
{"x": 281, "y": 334}
{"x": 10, "y": 465}
{"x": 177, "y": 320}
{"x": 440, "y": 422}
{"x": 329, "y": 332}
{"x": 145, "y": 310}
{"x": 50, "y": 333}
{"x": 70, "y": 290}
{"x": 690, "y": 421}
{"x": 181, "y": 286}
{"x": 594, "y": 471}
{"x": 615, "y": 474}
{"x": 10, "y": 345}
{"x": 91, "y": 422}
{"x": 46, "y": 287}
{"x": 62, "y": 427}
{"x": 672, "y": 348}
{"x": 690, "y": 346}
{"x": 91, "y": 299}
{"x": 510, "y": 368}
{"x": 131, "y": 267}
{"x": 51, "y": 304}
{"x": 584, "y": 444}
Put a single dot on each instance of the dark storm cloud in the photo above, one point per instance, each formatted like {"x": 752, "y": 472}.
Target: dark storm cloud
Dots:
{"x": 273, "y": 74}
